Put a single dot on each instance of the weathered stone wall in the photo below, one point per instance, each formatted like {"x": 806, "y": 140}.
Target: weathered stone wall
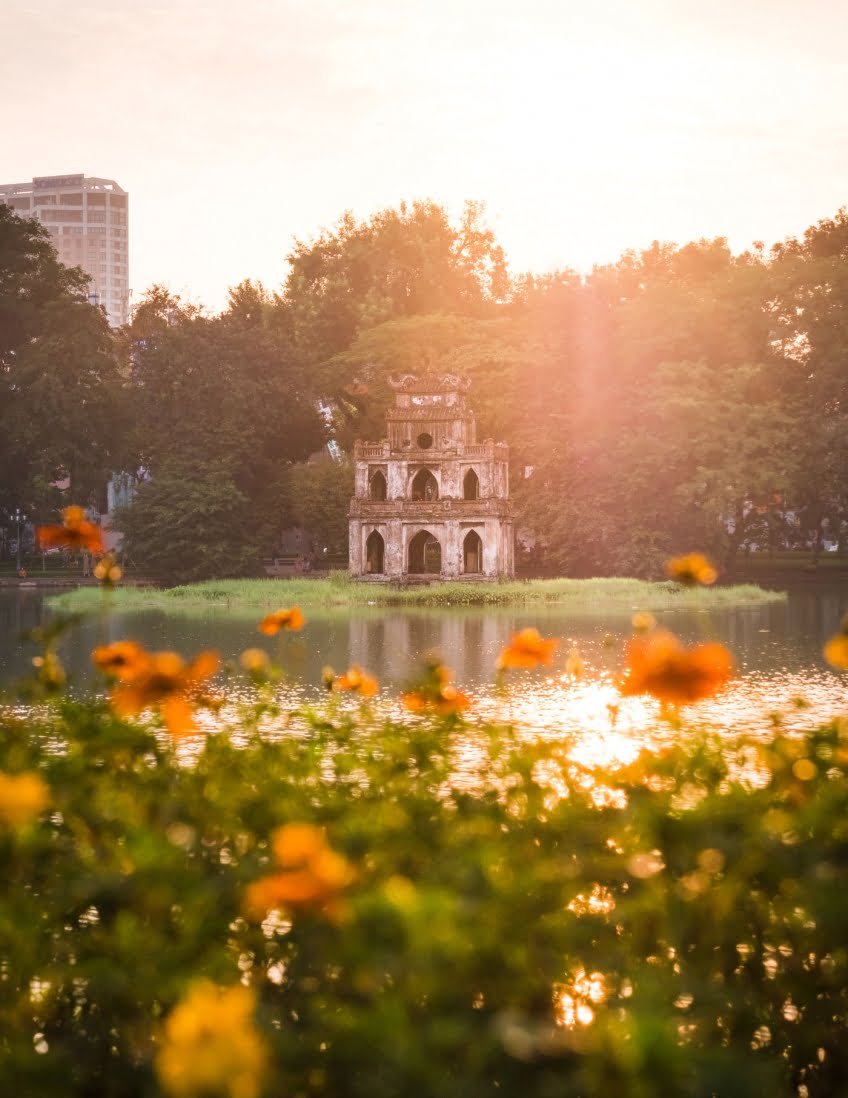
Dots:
{"x": 442, "y": 413}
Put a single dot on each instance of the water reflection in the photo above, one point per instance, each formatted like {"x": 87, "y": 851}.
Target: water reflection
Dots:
{"x": 782, "y": 679}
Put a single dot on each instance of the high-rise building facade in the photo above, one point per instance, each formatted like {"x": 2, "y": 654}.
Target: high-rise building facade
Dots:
{"x": 87, "y": 218}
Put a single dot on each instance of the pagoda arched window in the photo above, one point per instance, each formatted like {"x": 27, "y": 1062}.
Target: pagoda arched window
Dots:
{"x": 377, "y": 486}
{"x": 424, "y": 486}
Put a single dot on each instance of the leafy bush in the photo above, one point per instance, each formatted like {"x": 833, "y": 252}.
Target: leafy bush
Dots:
{"x": 504, "y": 920}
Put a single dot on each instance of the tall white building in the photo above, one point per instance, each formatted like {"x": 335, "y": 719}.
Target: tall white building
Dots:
{"x": 87, "y": 218}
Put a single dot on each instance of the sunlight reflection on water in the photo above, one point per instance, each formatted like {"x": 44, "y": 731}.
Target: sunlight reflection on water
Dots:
{"x": 603, "y": 729}
{"x": 777, "y": 647}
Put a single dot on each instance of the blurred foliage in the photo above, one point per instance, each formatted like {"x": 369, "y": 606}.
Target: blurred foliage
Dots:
{"x": 509, "y": 921}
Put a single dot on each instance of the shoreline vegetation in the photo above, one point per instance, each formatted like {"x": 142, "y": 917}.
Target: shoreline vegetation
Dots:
{"x": 582, "y": 596}
{"x": 190, "y": 907}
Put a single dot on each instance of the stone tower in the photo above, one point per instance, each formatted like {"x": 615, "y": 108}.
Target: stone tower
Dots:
{"x": 430, "y": 500}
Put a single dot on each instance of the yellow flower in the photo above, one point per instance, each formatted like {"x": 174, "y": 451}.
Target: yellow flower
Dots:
{"x": 356, "y": 681}
{"x": 642, "y": 621}
{"x": 163, "y": 680}
{"x": 255, "y": 661}
{"x": 312, "y": 874}
{"x": 22, "y": 798}
{"x": 658, "y": 664}
{"x": 527, "y": 649}
{"x": 692, "y": 570}
{"x": 211, "y": 1046}
{"x": 575, "y": 665}
{"x": 292, "y": 620}
{"x": 74, "y": 533}
{"x": 49, "y": 670}
{"x": 108, "y": 571}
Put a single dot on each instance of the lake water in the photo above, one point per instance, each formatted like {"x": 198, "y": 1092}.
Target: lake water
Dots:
{"x": 781, "y": 675}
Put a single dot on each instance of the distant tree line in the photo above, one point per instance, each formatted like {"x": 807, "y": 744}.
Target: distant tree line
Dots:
{"x": 681, "y": 397}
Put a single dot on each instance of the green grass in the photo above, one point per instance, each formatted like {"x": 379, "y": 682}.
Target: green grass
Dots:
{"x": 253, "y": 596}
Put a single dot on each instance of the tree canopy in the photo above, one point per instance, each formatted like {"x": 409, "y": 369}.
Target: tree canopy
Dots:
{"x": 62, "y": 400}
{"x": 222, "y": 407}
{"x": 682, "y": 396}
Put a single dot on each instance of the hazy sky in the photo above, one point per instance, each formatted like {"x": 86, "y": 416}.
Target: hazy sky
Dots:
{"x": 586, "y": 128}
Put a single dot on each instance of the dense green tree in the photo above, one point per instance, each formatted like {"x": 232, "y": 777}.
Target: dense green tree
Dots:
{"x": 62, "y": 407}
{"x": 402, "y": 262}
{"x": 320, "y": 495}
{"x": 192, "y": 522}
{"x": 810, "y": 318}
{"x": 673, "y": 429}
{"x": 217, "y": 400}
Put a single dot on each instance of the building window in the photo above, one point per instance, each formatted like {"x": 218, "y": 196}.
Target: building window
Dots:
{"x": 424, "y": 440}
{"x": 377, "y": 487}
{"x": 425, "y": 555}
{"x": 471, "y": 485}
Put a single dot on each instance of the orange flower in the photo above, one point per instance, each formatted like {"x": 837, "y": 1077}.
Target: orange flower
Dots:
{"x": 295, "y": 844}
{"x": 312, "y": 874}
{"x": 163, "y": 680}
{"x": 356, "y": 681}
{"x": 122, "y": 660}
{"x": 527, "y": 649}
{"x": 658, "y": 664}
{"x": 435, "y": 693}
{"x": 836, "y": 651}
{"x": 449, "y": 702}
{"x": 692, "y": 570}
{"x": 74, "y": 533}
{"x": 282, "y": 619}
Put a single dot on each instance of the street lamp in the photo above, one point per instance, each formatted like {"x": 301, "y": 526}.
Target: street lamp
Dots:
{"x": 18, "y": 517}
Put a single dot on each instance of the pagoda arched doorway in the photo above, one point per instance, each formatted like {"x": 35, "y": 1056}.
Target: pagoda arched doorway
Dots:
{"x": 472, "y": 553}
{"x": 375, "y": 551}
{"x": 425, "y": 555}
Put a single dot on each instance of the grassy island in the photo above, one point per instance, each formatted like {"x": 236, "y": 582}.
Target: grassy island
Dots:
{"x": 249, "y": 596}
